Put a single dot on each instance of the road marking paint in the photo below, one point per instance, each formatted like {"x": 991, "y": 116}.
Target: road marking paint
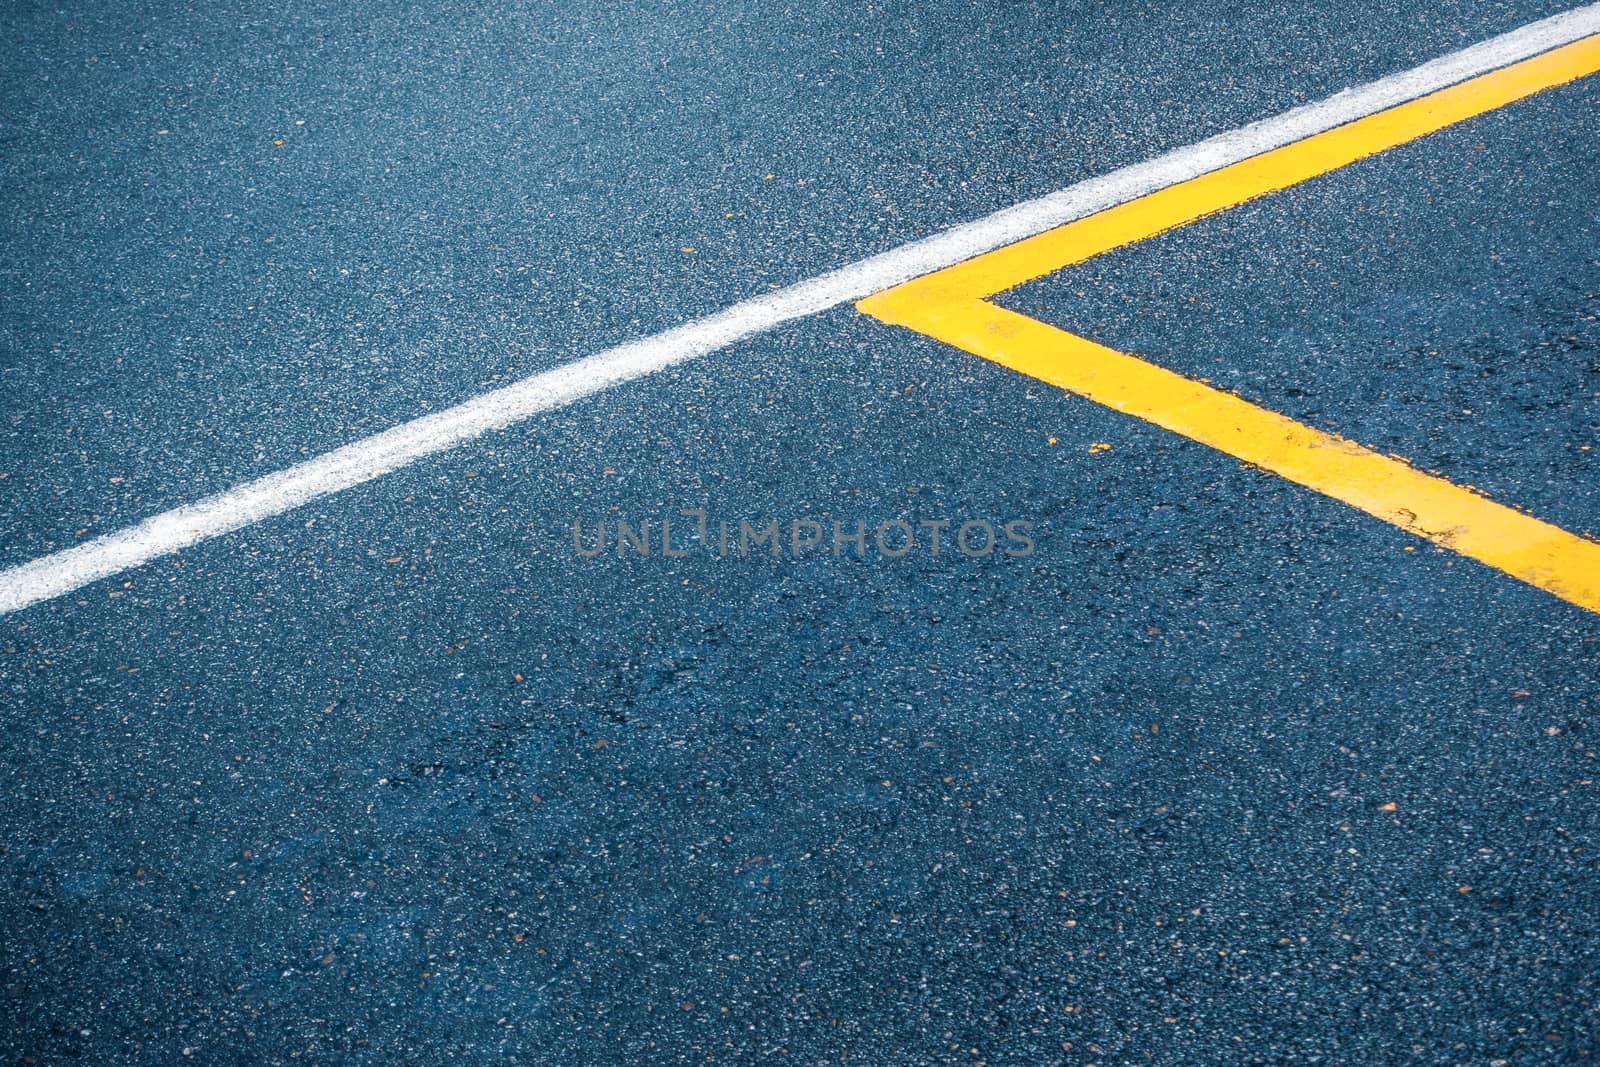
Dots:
{"x": 951, "y": 305}
{"x": 351, "y": 465}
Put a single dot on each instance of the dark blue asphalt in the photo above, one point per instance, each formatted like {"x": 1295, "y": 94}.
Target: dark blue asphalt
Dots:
{"x": 400, "y": 778}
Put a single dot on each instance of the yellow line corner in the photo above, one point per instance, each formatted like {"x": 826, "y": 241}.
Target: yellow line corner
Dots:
{"x": 952, "y": 306}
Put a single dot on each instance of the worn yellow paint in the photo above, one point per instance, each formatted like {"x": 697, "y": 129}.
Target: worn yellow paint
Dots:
{"x": 951, "y": 305}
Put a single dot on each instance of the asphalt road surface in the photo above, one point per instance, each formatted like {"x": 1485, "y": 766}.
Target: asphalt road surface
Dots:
{"x": 1194, "y": 765}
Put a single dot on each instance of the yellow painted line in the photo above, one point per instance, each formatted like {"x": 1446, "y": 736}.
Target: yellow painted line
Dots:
{"x": 951, "y": 305}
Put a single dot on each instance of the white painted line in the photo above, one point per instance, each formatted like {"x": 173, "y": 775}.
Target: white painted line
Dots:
{"x": 72, "y": 568}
